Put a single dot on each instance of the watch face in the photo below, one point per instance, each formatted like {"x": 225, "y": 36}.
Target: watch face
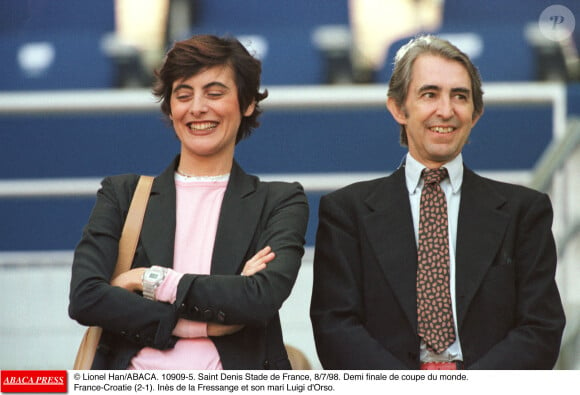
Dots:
{"x": 153, "y": 276}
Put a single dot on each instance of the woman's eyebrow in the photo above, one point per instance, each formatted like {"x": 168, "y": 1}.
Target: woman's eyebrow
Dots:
{"x": 215, "y": 84}
{"x": 206, "y": 86}
{"x": 182, "y": 86}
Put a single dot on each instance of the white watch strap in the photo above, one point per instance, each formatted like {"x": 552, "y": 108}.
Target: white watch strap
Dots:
{"x": 152, "y": 278}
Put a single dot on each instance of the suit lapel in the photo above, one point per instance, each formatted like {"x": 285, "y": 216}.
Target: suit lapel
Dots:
{"x": 389, "y": 228}
{"x": 158, "y": 233}
{"x": 238, "y": 221}
{"x": 480, "y": 231}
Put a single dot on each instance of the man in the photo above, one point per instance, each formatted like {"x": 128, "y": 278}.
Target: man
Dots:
{"x": 499, "y": 299}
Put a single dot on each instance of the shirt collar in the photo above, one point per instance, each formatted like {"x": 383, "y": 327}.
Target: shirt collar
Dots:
{"x": 413, "y": 170}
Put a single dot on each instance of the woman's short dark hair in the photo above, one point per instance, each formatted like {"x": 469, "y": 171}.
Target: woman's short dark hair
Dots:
{"x": 189, "y": 57}
{"x": 428, "y": 44}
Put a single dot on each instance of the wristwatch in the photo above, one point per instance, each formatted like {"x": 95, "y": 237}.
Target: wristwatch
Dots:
{"x": 152, "y": 278}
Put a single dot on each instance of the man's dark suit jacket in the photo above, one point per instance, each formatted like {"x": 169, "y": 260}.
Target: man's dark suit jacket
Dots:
{"x": 364, "y": 312}
{"x": 254, "y": 214}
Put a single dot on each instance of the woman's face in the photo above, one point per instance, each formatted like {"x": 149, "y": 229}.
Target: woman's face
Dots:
{"x": 206, "y": 116}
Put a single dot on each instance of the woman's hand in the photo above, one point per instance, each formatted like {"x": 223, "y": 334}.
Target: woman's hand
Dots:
{"x": 259, "y": 261}
{"x": 131, "y": 280}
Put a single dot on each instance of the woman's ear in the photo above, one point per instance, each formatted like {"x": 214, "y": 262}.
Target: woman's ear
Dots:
{"x": 250, "y": 110}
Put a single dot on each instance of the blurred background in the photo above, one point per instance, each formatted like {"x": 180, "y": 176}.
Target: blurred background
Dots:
{"x": 75, "y": 106}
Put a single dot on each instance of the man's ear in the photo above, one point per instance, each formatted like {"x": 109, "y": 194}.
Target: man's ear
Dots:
{"x": 397, "y": 112}
{"x": 476, "y": 118}
{"x": 250, "y": 110}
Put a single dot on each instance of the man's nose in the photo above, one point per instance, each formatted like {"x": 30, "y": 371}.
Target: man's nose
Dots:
{"x": 444, "y": 108}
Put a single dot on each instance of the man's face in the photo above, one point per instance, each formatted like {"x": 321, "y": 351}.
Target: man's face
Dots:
{"x": 438, "y": 111}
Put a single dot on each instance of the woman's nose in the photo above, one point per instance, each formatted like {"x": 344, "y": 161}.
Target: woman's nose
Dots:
{"x": 198, "y": 106}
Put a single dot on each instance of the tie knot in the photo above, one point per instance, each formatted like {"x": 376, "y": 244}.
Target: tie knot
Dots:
{"x": 434, "y": 176}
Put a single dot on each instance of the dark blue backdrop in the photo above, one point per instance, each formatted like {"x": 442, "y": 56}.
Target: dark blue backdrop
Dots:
{"x": 287, "y": 142}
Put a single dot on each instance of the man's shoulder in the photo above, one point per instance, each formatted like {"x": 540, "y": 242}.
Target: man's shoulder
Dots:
{"x": 508, "y": 190}
{"x": 359, "y": 191}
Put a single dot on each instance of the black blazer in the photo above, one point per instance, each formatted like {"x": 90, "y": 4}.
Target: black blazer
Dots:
{"x": 253, "y": 214}
{"x": 364, "y": 312}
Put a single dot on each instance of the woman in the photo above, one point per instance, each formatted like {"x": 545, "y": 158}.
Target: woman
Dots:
{"x": 219, "y": 250}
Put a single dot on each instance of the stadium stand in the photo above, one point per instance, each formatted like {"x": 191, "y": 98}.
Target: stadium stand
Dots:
{"x": 305, "y": 141}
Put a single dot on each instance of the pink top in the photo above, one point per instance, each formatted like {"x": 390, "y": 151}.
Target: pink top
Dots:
{"x": 197, "y": 212}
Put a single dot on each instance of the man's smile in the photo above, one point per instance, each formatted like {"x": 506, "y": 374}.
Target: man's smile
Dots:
{"x": 442, "y": 129}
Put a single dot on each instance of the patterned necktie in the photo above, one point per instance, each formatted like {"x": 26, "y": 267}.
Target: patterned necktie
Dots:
{"x": 435, "y": 316}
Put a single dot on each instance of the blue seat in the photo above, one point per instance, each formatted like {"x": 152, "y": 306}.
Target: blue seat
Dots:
{"x": 468, "y": 15}
{"x": 279, "y": 32}
{"x": 47, "y": 44}
{"x": 505, "y": 54}
{"x": 44, "y": 15}
{"x": 476, "y": 14}
{"x": 501, "y": 53}
{"x": 262, "y": 15}
{"x": 54, "y": 60}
